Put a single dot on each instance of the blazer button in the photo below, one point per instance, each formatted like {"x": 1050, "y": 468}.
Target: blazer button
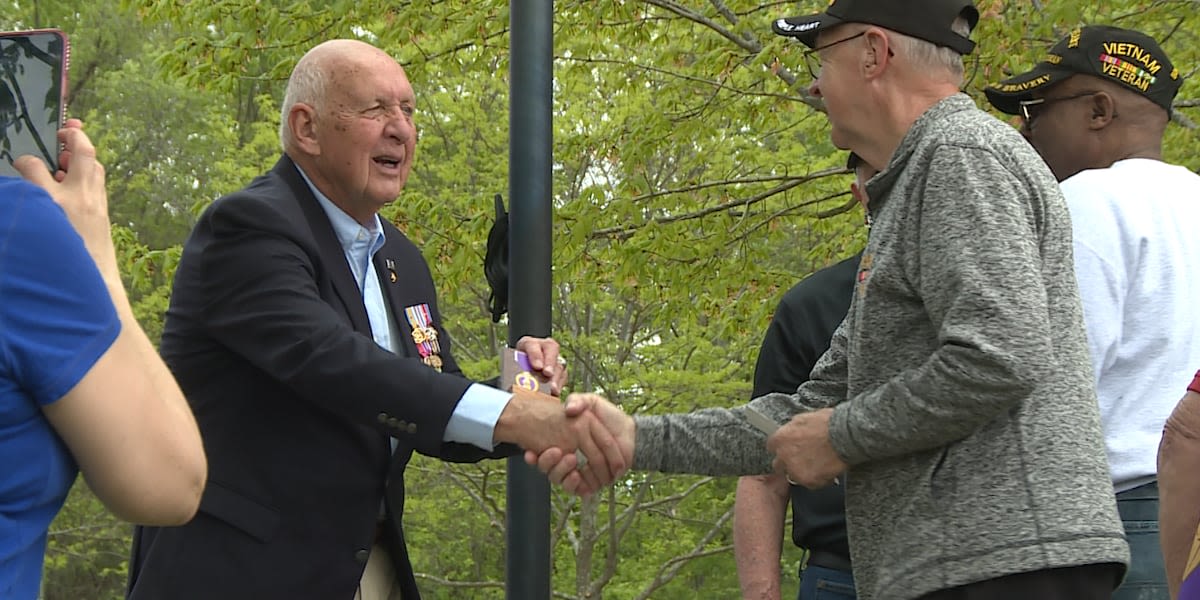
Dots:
{"x": 382, "y": 418}
{"x": 361, "y": 556}
{"x": 412, "y": 427}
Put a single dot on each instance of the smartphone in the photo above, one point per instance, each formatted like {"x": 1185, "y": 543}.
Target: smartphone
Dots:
{"x": 33, "y": 95}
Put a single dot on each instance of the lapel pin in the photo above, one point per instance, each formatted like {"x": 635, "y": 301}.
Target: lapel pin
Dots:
{"x": 391, "y": 268}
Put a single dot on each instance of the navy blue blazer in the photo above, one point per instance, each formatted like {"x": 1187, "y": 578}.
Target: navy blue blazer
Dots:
{"x": 269, "y": 340}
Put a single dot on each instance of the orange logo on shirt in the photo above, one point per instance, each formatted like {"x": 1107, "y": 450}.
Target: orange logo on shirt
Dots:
{"x": 864, "y": 274}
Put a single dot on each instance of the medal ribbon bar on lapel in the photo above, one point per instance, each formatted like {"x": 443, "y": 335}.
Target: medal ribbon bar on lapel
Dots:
{"x": 424, "y": 334}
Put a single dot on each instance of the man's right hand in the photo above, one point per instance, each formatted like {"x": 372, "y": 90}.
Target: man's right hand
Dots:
{"x": 560, "y": 464}
{"x": 539, "y": 423}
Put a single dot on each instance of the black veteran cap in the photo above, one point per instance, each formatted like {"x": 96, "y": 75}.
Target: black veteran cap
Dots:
{"x": 928, "y": 20}
{"x": 1122, "y": 56}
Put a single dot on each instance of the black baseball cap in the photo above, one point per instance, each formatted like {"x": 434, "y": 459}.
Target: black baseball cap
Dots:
{"x": 928, "y": 20}
{"x": 1130, "y": 58}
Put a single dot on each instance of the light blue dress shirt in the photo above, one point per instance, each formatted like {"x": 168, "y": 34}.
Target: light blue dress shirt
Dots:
{"x": 474, "y": 419}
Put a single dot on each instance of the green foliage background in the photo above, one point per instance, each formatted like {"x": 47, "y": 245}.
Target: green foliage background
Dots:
{"x": 694, "y": 182}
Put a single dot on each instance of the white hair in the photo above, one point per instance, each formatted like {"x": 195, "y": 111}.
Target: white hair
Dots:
{"x": 306, "y": 85}
{"x": 927, "y": 56}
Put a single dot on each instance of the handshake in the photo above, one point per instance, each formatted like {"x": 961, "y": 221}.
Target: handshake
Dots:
{"x": 583, "y": 446}
{"x": 589, "y": 442}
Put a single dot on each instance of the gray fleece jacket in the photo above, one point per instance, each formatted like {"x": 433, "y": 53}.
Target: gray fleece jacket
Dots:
{"x": 963, "y": 394}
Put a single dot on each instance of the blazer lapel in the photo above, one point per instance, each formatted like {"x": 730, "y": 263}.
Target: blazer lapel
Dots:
{"x": 396, "y": 294}
{"x": 332, "y": 255}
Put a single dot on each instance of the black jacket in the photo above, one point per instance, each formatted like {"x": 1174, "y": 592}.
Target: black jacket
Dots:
{"x": 798, "y": 335}
{"x": 269, "y": 340}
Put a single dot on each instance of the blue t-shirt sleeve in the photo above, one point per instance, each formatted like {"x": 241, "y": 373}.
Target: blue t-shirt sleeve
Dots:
{"x": 56, "y": 317}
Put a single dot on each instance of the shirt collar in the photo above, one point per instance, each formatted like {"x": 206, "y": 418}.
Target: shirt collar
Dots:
{"x": 345, "y": 227}
{"x": 880, "y": 186}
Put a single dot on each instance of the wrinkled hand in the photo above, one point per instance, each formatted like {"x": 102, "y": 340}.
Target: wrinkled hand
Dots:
{"x": 78, "y": 187}
{"x": 539, "y": 423}
{"x": 544, "y": 356}
{"x": 803, "y": 451}
{"x": 560, "y": 464}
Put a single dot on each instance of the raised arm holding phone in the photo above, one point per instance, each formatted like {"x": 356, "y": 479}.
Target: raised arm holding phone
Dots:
{"x": 81, "y": 386}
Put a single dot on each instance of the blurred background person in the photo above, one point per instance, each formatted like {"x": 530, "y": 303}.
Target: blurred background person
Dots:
{"x": 1179, "y": 485}
{"x": 798, "y": 335}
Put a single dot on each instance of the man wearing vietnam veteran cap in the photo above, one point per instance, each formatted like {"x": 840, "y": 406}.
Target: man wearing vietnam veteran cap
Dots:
{"x": 1093, "y": 69}
{"x": 963, "y": 402}
{"x": 1096, "y": 109}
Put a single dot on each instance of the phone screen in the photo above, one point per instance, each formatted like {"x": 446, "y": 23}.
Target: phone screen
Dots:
{"x": 33, "y": 85}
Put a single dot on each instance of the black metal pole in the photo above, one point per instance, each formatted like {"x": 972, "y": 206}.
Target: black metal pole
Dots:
{"x": 531, "y": 39}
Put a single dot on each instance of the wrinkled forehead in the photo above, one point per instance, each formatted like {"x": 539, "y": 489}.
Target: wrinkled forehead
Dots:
{"x": 371, "y": 78}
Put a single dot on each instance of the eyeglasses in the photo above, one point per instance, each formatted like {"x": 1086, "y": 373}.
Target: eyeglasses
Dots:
{"x": 812, "y": 59}
{"x": 1031, "y": 107}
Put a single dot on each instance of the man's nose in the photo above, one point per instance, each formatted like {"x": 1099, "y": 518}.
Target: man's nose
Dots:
{"x": 814, "y": 88}
{"x": 401, "y": 127}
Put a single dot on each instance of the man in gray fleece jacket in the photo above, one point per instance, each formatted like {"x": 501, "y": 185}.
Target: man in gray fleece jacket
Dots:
{"x": 957, "y": 396}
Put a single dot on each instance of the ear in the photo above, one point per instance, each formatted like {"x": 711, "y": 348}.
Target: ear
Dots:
{"x": 302, "y": 120}
{"x": 859, "y": 194}
{"x": 878, "y": 52}
{"x": 1104, "y": 110}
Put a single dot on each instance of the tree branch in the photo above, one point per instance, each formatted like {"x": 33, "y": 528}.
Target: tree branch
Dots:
{"x": 746, "y": 42}
{"x": 671, "y": 568}
{"x": 450, "y": 583}
{"x": 715, "y": 83}
{"x": 623, "y": 232}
